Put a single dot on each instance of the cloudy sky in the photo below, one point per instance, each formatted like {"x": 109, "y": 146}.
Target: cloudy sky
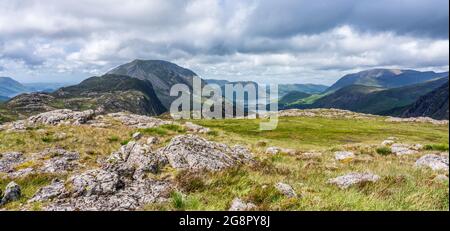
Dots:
{"x": 269, "y": 41}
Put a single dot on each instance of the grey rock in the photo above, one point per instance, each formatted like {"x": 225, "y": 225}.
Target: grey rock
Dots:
{"x": 12, "y": 193}
{"x": 387, "y": 142}
{"x": 134, "y": 159}
{"x": 433, "y": 161}
{"x": 58, "y": 160}
{"x": 285, "y": 189}
{"x": 94, "y": 182}
{"x": 138, "y": 121}
{"x": 343, "y": 155}
{"x": 137, "y": 136}
{"x": 273, "y": 150}
{"x": 193, "y": 152}
{"x": 54, "y": 190}
{"x": 131, "y": 197}
{"x": 353, "y": 178}
{"x": 152, "y": 140}
{"x": 58, "y": 116}
{"x": 196, "y": 128}
{"x": 441, "y": 178}
{"x": 9, "y": 160}
{"x": 402, "y": 149}
{"x": 239, "y": 205}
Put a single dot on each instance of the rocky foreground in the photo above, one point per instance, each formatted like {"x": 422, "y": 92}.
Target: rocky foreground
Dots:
{"x": 131, "y": 177}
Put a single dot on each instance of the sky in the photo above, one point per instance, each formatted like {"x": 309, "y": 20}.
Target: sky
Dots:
{"x": 267, "y": 41}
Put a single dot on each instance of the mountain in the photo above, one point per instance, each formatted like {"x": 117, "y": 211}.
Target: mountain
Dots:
{"x": 292, "y": 97}
{"x": 44, "y": 87}
{"x": 375, "y": 100}
{"x": 9, "y": 87}
{"x": 433, "y": 104}
{"x": 386, "y": 78}
{"x": 284, "y": 89}
{"x": 3, "y": 98}
{"x": 161, "y": 74}
{"x": 113, "y": 93}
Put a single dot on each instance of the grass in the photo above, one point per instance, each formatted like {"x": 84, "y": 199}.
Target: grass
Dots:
{"x": 437, "y": 147}
{"x": 401, "y": 187}
{"x": 384, "y": 151}
{"x": 322, "y": 133}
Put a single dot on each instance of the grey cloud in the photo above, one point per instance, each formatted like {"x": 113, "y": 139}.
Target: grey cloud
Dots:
{"x": 236, "y": 39}
{"x": 290, "y": 17}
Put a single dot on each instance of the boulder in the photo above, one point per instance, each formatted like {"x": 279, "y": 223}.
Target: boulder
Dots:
{"x": 285, "y": 189}
{"x": 353, "y": 178}
{"x": 387, "y": 142}
{"x": 137, "y": 136}
{"x": 344, "y": 156}
{"x": 435, "y": 162}
{"x": 402, "y": 149}
{"x": 12, "y": 193}
{"x": 195, "y": 153}
{"x": 273, "y": 150}
{"x": 239, "y": 205}
{"x": 54, "y": 190}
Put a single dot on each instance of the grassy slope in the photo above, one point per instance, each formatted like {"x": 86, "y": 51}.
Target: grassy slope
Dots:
{"x": 402, "y": 186}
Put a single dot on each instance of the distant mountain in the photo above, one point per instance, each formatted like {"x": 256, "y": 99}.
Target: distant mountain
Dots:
{"x": 44, "y": 87}
{"x": 386, "y": 78}
{"x": 375, "y": 100}
{"x": 292, "y": 97}
{"x": 113, "y": 93}
{"x": 433, "y": 104}
{"x": 284, "y": 89}
{"x": 161, "y": 74}
{"x": 9, "y": 87}
{"x": 3, "y": 98}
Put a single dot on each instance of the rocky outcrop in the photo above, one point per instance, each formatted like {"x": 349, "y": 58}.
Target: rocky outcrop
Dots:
{"x": 62, "y": 116}
{"x": 434, "y": 162}
{"x": 417, "y": 120}
{"x": 54, "y": 190}
{"x": 52, "y": 160}
{"x": 195, "y": 153}
{"x": 9, "y": 160}
{"x": 137, "y": 121}
{"x": 353, "y": 178}
{"x": 121, "y": 183}
{"x": 135, "y": 159}
{"x": 326, "y": 113}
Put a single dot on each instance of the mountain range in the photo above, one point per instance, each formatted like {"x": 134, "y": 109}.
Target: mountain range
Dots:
{"x": 10, "y": 87}
{"x": 385, "y": 78}
{"x": 143, "y": 87}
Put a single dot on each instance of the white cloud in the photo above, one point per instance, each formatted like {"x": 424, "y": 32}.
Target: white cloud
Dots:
{"x": 54, "y": 40}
